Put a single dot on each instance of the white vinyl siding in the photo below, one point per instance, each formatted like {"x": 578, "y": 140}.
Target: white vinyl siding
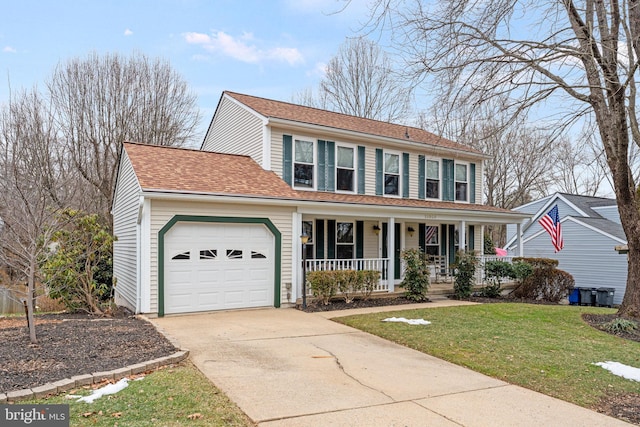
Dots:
{"x": 235, "y": 130}
{"x": 479, "y": 182}
{"x": 125, "y": 228}
{"x": 371, "y": 240}
{"x": 413, "y": 176}
{"x": 164, "y": 210}
{"x": 276, "y": 151}
{"x": 587, "y": 255}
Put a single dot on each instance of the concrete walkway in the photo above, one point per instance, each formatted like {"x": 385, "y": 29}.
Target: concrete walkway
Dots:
{"x": 283, "y": 367}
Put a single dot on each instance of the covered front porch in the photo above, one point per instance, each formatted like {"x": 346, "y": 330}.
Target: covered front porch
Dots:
{"x": 343, "y": 241}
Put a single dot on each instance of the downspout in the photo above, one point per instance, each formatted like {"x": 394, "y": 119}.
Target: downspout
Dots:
{"x": 138, "y": 255}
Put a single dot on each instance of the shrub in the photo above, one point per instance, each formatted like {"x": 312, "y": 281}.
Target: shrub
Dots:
{"x": 79, "y": 270}
{"x": 489, "y": 246}
{"x": 322, "y": 284}
{"x": 348, "y": 283}
{"x": 538, "y": 263}
{"x": 465, "y": 270}
{"x": 546, "y": 284}
{"x": 416, "y": 275}
{"x": 521, "y": 270}
{"x": 495, "y": 271}
{"x": 369, "y": 280}
{"x": 620, "y": 325}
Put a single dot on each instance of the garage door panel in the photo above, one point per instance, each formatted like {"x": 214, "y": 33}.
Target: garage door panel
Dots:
{"x": 229, "y": 266}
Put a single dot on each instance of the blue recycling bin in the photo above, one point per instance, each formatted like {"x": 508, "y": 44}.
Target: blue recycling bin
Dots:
{"x": 574, "y": 297}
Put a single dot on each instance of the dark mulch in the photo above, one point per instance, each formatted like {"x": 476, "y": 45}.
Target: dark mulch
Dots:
{"x": 72, "y": 344}
{"x": 337, "y": 304}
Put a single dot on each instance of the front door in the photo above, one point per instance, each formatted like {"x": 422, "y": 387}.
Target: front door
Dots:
{"x": 396, "y": 247}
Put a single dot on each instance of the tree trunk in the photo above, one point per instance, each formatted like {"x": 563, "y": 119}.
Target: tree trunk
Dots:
{"x": 31, "y": 301}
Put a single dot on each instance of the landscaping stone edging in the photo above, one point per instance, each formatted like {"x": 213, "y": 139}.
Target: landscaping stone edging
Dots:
{"x": 95, "y": 378}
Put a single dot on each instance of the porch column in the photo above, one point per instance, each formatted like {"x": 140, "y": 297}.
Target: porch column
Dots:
{"x": 482, "y": 240}
{"x": 462, "y": 236}
{"x": 520, "y": 242}
{"x": 391, "y": 253}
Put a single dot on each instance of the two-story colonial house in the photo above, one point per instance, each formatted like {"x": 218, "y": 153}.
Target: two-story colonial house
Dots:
{"x": 219, "y": 228}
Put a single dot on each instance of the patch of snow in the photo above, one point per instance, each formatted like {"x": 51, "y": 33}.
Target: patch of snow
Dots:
{"x": 409, "y": 321}
{"x": 108, "y": 389}
{"x": 624, "y": 371}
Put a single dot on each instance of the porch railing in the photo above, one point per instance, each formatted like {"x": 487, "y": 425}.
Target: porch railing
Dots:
{"x": 378, "y": 264}
{"x": 481, "y": 276}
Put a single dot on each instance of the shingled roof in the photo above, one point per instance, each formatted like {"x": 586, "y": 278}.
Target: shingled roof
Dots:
{"x": 308, "y": 115}
{"x": 191, "y": 171}
{"x": 180, "y": 170}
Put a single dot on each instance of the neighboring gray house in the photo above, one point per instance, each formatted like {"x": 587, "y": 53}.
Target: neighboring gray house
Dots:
{"x": 591, "y": 230}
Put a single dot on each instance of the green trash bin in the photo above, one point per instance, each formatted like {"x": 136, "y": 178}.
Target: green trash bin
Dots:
{"x": 587, "y": 296}
{"x": 604, "y": 297}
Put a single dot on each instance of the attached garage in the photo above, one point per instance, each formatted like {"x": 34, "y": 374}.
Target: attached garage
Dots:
{"x": 218, "y": 263}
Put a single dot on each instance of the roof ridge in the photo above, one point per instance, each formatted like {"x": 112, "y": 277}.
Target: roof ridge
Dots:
{"x": 331, "y": 111}
{"x": 189, "y": 149}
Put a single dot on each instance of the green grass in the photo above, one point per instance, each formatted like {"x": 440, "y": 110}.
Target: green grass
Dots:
{"x": 545, "y": 348}
{"x": 164, "y": 398}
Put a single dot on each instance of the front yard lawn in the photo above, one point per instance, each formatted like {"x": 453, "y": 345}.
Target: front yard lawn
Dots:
{"x": 171, "y": 397}
{"x": 546, "y": 348}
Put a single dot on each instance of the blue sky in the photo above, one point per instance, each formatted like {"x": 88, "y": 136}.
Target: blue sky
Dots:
{"x": 268, "y": 48}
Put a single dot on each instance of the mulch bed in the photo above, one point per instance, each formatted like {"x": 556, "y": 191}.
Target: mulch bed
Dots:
{"x": 336, "y": 304}
{"x": 72, "y": 344}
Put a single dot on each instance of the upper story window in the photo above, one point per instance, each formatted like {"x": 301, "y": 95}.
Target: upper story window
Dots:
{"x": 392, "y": 174}
{"x": 433, "y": 179}
{"x": 303, "y": 165}
{"x": 462, "y": 182}
{"x": 345, "y": 169}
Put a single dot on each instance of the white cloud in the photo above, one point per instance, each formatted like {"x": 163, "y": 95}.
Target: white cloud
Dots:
{"x": 128, "y": 32}
{"x": 244, "y": 48}
{"x": 319, "y": 70}
{"x": 9, "y": 49}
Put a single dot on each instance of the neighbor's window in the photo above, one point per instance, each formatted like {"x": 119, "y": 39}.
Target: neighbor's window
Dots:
{"x": 461, "y": 182}
{"x": 433, "y": 179}
{"x": 392, "y": 174}
{"x": 345, "y": 170}
{"x": 344, "y": 240}
{"x": 303, "y": 164}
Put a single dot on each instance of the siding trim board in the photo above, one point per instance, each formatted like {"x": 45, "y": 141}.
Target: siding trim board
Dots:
{"x": 577, "y": 221}
{"x": 214, "y": 219}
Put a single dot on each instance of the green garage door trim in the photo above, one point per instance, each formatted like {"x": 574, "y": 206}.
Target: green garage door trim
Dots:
{"x": 219, "y": 219}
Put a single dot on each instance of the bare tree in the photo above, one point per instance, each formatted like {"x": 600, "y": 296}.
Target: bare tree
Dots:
{"x": 361, "y": 81}
{"x": 102, "y": 101}
{"x": 578, "y": 58}
{"x": 579, "y": 167}
{"x": 32, "y": 189}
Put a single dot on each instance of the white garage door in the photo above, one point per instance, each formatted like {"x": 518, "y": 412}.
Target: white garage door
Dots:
{"x": 218, "y": 266}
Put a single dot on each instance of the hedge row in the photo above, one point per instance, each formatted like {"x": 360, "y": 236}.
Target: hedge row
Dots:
{"x": 326, "y": 284}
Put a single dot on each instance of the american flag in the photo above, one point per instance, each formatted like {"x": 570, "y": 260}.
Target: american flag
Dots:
{"x": 429, "y": 232}
{"x": 551, "y": 223}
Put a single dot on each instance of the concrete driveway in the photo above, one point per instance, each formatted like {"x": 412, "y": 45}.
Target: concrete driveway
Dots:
{"x": 283, "y": 367}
